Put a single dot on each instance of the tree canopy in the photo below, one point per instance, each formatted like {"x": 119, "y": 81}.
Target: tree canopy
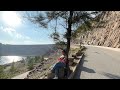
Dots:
{"x": 70, "y": 20}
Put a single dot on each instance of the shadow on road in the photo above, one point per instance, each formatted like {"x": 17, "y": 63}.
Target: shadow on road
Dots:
{"x": 85, "y": 69}
{"x": 81, "y": 68}
{"x": 111, "y": 76}
{"x": 97, "y": 52}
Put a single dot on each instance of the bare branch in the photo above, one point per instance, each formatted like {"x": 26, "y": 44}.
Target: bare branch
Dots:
{"x": 56, "y": 26}
{"x": 63, "y": 25}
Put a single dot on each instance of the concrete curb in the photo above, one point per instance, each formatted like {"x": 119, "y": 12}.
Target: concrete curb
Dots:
{"x": 74, "y": 69}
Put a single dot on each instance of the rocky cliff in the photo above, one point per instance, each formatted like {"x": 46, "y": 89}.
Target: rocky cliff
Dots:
{"x": 105, "y": 34}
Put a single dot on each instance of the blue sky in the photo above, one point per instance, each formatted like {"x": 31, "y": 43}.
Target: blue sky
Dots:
{"x": 16, "y": 30}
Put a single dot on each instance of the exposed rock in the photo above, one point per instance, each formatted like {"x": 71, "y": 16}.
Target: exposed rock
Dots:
{"x": 107, "y": 35}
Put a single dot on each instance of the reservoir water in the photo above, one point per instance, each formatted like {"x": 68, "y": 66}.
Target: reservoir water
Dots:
{"x": 10, "y": 59}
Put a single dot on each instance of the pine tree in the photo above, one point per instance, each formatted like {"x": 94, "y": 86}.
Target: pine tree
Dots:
{"x": 71, "y": 21}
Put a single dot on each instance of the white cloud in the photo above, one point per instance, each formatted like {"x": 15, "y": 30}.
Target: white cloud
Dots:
{"x": 13, "y": 33}
{"x": 8, "y": 42}
{"x": 10, "y": 31}
{"x": 28, "y": 42}
{"x": 1, "y": 28}
{"x": 18, "y": 36}
{"x": 27, "y": 37}
{"x": 33, "y": 42}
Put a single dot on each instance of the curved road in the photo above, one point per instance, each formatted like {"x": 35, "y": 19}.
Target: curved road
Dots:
{"x": 99, "y": 63}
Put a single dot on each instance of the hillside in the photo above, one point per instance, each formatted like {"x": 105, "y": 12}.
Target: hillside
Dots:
{"x": 105, "y": 34}
{"x": 25, "y": 50}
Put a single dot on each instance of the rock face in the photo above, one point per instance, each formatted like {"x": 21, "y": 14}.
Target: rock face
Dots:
{"x": 107, "y": 35}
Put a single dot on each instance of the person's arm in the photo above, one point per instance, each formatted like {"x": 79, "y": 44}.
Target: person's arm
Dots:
{"x": 65, "y": 58}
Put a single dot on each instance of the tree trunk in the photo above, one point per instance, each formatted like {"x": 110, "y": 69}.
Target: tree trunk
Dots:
{"x": 69, "y": 38}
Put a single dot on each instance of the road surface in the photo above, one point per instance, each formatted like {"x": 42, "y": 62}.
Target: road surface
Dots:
{"x": 99, "y": 63}
{"x": 21, "y": 76}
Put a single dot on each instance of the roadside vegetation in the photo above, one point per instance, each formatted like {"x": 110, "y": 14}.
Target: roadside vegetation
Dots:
{"x": 10, "y": 70}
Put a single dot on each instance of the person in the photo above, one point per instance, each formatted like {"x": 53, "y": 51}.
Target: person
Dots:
{"x": 61, "y": 64}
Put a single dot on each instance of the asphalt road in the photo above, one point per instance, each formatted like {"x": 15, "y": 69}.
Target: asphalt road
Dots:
{"x": 99, "y": 63}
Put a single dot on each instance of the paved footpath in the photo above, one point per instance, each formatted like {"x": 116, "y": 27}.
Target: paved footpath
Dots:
{"x": 21, "y": 76}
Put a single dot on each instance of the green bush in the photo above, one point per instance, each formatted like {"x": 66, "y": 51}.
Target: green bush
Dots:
{"x": 2, "y": 74}
{"x": 13, "y": 69}
{"x": 37, "y": 59}
{"x": 42, "y": 58}
{"x": 31, "y": 64}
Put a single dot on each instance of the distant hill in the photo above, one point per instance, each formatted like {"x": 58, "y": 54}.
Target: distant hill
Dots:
{"x": 25, "y": 50}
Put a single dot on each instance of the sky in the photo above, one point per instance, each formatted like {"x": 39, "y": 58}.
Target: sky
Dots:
{"x": 14, "y": 29}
